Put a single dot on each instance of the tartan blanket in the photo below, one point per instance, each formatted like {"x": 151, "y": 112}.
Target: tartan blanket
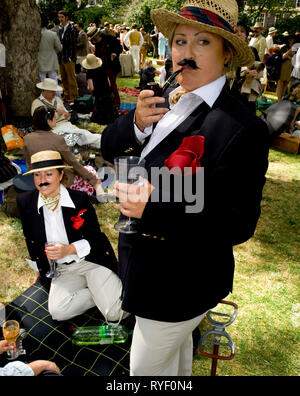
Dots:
{"x": 51, "y": 340}
{"x": 130, "y": 91}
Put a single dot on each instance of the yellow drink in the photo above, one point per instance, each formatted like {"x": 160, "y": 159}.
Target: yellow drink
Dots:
{"x": 11, "y": 330}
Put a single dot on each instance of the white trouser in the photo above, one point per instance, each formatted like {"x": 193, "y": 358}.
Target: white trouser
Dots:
{"x": 162, "y": 348}
{"x": 86, "y": 137}
{"x": 81, "y": 286}
{"x": 134, "y": 50}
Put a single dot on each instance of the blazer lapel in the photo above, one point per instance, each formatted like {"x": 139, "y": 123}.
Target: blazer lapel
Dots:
{"x": 190, "y": 126}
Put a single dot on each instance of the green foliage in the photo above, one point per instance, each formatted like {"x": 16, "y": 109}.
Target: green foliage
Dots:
{"x": 140, "y": 11}
{"x": 90, "y": 14}
{"x": 288, "y": 24}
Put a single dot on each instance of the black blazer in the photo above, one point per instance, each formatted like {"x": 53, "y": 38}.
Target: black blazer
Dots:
{"x": 35, "y": 234}
{"x": 183, "y": 265}
{"x": 69, "y": 44}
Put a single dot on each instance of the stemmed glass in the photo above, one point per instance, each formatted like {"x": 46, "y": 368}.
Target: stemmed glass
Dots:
{"x": 128, "y": 170}
{"x": 11, "y": 331}
{"x": 53, "y": 273}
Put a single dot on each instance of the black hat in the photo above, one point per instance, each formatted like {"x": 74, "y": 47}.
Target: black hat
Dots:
{"x": 24, "y": 183}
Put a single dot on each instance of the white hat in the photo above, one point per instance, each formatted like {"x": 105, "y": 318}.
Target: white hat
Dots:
{"x": 272, "y": 30}
{"x": 91, "y": 62}
{"x": 258, "y": 25}
{"x": 49, "y": 85}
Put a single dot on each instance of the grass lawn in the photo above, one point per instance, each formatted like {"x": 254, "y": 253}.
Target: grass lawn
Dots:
{"x": 266, "y": 286}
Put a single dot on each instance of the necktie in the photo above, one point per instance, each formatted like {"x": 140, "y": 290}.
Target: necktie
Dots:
{"x": 50, "y": 202}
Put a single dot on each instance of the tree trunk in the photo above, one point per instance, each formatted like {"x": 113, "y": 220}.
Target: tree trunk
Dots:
{"x": 20, "y": 32}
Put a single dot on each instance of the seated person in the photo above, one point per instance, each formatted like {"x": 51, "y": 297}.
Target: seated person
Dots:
{"x": 147, "y": 74}
{"x": 43, "y": 138}
{"x": 81, "y": 81}
{"x": 84, "y": 256}
{"x": 8, "y": 170}
{"x": 20, "y": 369}
{"x": 252, "y": 88}
{"x": 48, "y": 98}
{"x": 294, "y": 97}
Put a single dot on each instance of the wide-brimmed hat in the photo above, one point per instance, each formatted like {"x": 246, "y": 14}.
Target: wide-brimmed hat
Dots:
{"x": 91, "y": 62}
{"x": 272, "y": 30}
{"x": 285, "y": 34}
{"x": 215, "y": 16}
{"x": 92, "y": 32}
{"x": 258, "y": 25}
{"x": 49, "y": 85}
{"x": 45, "y": 160}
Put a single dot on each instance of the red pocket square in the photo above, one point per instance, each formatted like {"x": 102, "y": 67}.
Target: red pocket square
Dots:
{"x": 187, "y": 155}
{"x": 78, "y": 220}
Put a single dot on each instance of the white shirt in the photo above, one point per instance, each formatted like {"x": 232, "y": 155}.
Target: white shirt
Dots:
{"x": 179, "y": 112}
{"x": 55, "y": 227}
{"x": 65, "y": 28}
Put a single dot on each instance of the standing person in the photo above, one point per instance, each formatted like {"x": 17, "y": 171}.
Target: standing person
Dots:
{"x": 286, "y": 65}
{"x": 49, "y": 48}
{"x": 270, "y": 38}
{"x": 108, "y": 49}
{"x": 208, "y": 131}
{"x": 145, "y": 46}
{"x": 82, "y": 45}
{"x": 258, "y": 41}
{"x": 68, "y": 38}
{"x": 85, "y": 258}
{"x": 162, "y": 42}
{"x": 105, "y": 111}
{"x": 154, "y": 39}
{"x": 134, "y": 40}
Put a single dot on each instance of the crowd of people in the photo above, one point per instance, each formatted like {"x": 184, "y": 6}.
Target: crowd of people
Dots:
{"x": 202, "y": 127}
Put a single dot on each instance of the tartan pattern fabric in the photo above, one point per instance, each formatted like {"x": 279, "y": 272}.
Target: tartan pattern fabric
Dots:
{"x": 50, "y": 340}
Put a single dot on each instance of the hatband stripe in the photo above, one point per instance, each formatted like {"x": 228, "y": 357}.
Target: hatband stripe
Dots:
{"x": 45, "y": 164}
{"x": 204, "y": 16}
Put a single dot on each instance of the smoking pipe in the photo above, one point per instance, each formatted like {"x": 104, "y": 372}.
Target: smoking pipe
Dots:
{"x": 158, "y": 91}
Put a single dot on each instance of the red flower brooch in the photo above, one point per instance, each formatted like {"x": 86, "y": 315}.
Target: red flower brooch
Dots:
{"x": 187, "y": 155}
{"x": 78, "y": 220}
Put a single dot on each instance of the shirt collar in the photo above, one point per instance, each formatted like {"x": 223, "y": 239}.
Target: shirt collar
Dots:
{"x": 65, "y": 199}
{"x": 209, "y": 92}
{"x": 43, "y": 98}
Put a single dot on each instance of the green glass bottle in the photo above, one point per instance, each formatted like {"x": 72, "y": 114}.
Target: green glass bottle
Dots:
{"x": 93, "y": 335}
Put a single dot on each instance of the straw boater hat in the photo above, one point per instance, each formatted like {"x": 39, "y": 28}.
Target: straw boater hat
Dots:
{"x": 92, "y": 32}
{"x": 49, "y": 85}
{"x": 91, "y": 62}
{"x": 215, "y": 16}
{"x": 45, "y": 160}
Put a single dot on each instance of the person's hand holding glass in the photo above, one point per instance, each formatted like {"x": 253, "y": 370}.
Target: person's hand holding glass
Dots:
{"x": 11, "y": 331}
{"x": 133, "y": 191}
{"x": 52, "y": 273}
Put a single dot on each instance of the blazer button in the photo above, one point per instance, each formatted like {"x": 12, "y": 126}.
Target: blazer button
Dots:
{"x": 107, "y": 253}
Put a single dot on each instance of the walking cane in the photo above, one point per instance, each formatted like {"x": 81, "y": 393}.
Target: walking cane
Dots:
{"x": 218, "y": 331}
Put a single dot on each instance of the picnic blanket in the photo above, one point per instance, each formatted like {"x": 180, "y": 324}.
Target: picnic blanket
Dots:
{"x": 128, "y": 97}
{"x": 51, "y": 340}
